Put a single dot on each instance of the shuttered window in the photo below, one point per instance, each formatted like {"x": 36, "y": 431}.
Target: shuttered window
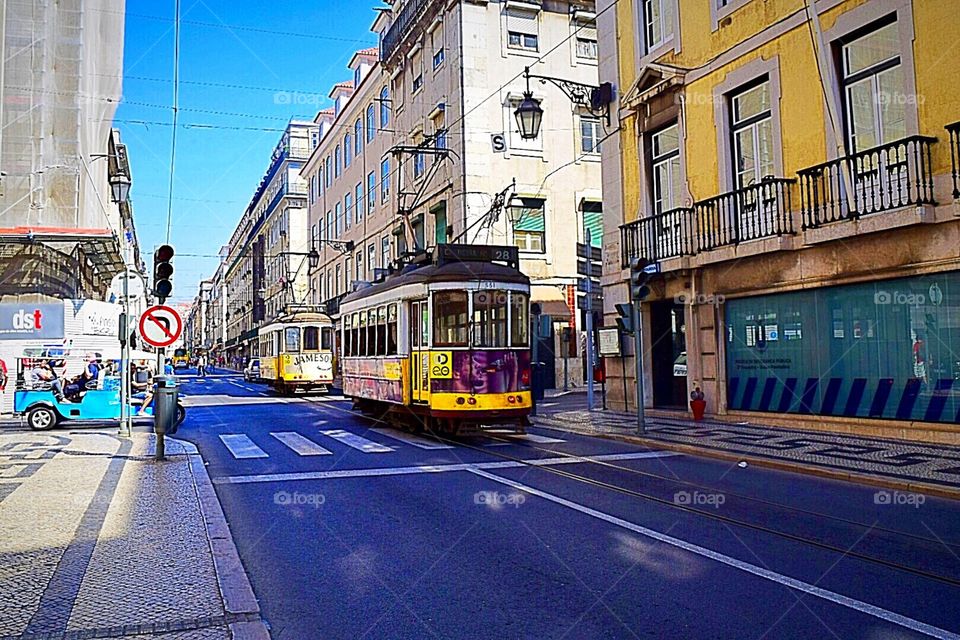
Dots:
{"x": 528, "y": 230}
{"x": 523, "y": 30}
{"x": 593, "y": 222}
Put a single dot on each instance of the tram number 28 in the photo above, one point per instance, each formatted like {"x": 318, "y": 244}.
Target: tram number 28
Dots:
{"x": 441, "y": 364}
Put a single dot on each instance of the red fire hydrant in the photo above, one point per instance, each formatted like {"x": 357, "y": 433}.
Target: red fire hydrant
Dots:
{"x": 697, "y": 404}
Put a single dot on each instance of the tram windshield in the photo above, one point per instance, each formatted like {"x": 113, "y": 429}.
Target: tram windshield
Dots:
{"x": 311, "y": 338}
{"x": 291, "y": 340}
{"x": 489, "y": 319}
{"x": 481, "y": 319}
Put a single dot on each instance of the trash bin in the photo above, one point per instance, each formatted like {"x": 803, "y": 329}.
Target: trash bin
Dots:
{"x": 165, "y": 396}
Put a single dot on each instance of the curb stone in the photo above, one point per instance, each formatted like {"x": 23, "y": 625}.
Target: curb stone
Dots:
{"x": 794, "y": 467}
{"x": 235, "y": 589}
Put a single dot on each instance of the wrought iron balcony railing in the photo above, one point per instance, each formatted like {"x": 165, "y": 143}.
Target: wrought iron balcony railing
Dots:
{"x": 404, "y": 25}
{"x": 954, "y": 132}
{"x": 756, "y": 211}
{"x": 887, "y": 177}
{"x": 663, "y": 235}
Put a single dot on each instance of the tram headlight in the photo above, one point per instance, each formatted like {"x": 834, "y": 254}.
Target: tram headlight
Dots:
{"x": 472, "y": 401}
{"x": 511, "y": 399}
{"x": 460, "y": 400}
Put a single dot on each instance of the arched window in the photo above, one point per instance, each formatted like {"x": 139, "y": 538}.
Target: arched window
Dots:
{"x": 384, "y": 107}
{"x": 371, "y": 123}
{"x": 346, "y": 151}
{"x": 358, "y": 137}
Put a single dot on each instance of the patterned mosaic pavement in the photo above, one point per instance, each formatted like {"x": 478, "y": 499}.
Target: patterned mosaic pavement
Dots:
{"x": 892, "y": 459}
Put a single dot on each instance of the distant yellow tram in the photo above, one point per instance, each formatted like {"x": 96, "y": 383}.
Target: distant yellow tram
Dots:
{"x": 296, "y": 352}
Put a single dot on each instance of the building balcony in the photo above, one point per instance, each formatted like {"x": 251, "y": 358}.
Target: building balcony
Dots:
{"x": 758, "y": 211}
{"x": 885, "y": 178}
{"x": 954, "y": 132}
{"x": 658, "y": 237}
{"x": 403, "y": 26}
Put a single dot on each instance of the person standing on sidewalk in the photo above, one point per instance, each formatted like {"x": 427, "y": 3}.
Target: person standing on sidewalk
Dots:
{"x": 202, "y": 365}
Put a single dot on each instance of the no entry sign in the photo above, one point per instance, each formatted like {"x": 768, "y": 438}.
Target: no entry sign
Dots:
{"x": 160, "y": 326}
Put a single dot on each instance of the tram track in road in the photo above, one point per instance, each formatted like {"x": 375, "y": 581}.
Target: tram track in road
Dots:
{"x": 717, "y": 517}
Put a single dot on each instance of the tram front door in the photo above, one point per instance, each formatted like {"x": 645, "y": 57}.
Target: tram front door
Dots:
{"x": 419, "y": 351}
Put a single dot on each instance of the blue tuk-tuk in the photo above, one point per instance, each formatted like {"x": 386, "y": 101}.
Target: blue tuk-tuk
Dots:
{"x": 35, "y": 396}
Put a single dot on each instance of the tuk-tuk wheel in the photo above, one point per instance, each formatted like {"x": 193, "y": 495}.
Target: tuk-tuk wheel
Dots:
{"x": 42, "y": 418}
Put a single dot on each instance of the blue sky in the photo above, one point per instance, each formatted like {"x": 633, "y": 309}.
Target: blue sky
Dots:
{"x": 274, "y": 76}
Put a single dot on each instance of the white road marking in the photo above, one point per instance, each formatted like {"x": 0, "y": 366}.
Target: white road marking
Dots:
{"x": 357, "y": 442}
{"x": 301, "y": 444}
{"x": 415, "y": 440}
{"x": 532, "y": 437}
{"x": 436, "y": 468}
{"x": 242, "y": 447}
{"x": 766, "y": 574}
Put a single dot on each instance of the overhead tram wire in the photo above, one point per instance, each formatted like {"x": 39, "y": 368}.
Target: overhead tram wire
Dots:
{"x": 176, "y": 102}
{"x": 845, "y": 552}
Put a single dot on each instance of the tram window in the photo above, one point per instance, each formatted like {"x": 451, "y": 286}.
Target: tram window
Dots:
{"x": 382, "y": 331}
{"x": 292, "y": 340}
{"x": 311, "y": 338}
{"x": 326, "y": 339}
{"x": 372, "y": 332}
{"x": 355, "y": 335}
{"x": 392, "y": 330}
{"x": 450, "y": 318}
{"x": 489, "y": 319}
{"x": 519, "y": 320}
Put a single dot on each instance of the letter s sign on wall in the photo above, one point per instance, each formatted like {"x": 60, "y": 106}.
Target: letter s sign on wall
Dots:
{"x": 26, "y": 321}
{"x": 498, "y": 142}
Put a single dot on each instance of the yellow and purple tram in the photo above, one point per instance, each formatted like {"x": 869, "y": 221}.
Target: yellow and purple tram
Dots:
{"x": 443, "y": 345}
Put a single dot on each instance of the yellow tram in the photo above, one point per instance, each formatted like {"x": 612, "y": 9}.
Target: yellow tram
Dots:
{"x": 443, "y": 345}
{"x": 296, "y": 352}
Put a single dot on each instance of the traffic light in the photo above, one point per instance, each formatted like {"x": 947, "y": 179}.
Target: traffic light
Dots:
{"x": 639, "y": 277}
{"x": 162, "y": 272}
{"x": 625, "y": 319}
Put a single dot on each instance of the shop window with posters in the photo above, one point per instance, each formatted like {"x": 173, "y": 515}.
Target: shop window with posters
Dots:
{"x": 886, "y": 349}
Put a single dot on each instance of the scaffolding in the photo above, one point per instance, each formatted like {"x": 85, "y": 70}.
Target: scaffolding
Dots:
{"x": 60, "y": 81}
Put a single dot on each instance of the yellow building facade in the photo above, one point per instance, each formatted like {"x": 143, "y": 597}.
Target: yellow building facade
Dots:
{"x": 789, "y": 166}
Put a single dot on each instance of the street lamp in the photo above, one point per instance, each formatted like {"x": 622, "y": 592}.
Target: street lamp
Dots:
{"x": 119, "y": 187}
{"x": 529, "y": 114}
{"x": 313, "y": 258}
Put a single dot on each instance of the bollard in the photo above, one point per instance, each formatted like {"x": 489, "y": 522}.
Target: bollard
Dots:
{"x": 165, "y": 395}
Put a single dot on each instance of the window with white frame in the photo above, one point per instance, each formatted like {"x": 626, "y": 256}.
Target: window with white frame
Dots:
{"x": 586, "y": 40}
{"x": 751, "y": 122}
{"x": 419, "y": 164}
{"x": 359, "y": 265}
{"x": 347, "y": 209}
{"x": 523, "y": 30}
{"x": 358, "y": 195}
{"x": 590, "y": 134}
{"x": 371, "y": 191}
{"x": 666, "y": 177}
{"x": 347, "y": 151}
{"x": 385, "y": 252}
{"x": 416, "y": 71}
{"x": 331, "y": 228}
{"x": 873, "y": 88}
{"x": 529, "y": 228}
{"x": 371, "y": 122}
{"x": 336, "y": 162}
{"x": 384, "y": 107}
{"x": 358, "y": 137}
{"x": 657, "y": 17}
{"x": 371, "y": 257}
{"x": 328, "y": 172}
{"x": 338, "y": 215}
{"x": 385, "y": 180}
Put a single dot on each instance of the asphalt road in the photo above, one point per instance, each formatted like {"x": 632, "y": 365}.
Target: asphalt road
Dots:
{"x": 352, "y": 531}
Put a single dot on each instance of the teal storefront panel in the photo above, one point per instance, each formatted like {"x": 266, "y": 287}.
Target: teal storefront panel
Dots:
{"x": 886, "y": 349}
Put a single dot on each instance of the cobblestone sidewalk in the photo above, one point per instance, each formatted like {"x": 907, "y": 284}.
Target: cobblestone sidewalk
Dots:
{"x": 913, "y": 466}
{"x": 99, "y": 541}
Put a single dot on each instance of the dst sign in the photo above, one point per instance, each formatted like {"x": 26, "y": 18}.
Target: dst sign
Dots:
{"x": 25, "y": 321}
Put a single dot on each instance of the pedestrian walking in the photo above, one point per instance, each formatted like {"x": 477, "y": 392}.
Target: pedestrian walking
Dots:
{"x": 202, "y": 365}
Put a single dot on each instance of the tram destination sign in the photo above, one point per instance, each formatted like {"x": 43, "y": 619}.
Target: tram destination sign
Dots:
{"x": 478, "y": 253}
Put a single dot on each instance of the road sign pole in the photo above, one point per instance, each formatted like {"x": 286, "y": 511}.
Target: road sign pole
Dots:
{"x": 589, "y": 322}
{"x": 638, "y": 357}
{"x": 125, "y": 422}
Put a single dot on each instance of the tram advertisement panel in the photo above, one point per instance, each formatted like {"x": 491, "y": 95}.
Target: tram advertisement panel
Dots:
{"x": 491, "y": 371}
{"x": 374, "y": 379}
{"x": 312, "y": 366}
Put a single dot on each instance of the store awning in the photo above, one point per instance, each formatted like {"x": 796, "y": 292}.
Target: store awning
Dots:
{"x": 100, "y": 246}
{"x": 552, "y": 301}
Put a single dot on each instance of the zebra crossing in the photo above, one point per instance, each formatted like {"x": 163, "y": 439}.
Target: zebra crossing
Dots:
{"x": 242, "y": 447}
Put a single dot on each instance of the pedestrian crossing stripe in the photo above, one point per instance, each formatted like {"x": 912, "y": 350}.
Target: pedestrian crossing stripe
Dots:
{"x": 300, "y": 444}
{"x": 357, "y": 442}
{"x": 242, "y": 447}
{"x": 409, "y": 438}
